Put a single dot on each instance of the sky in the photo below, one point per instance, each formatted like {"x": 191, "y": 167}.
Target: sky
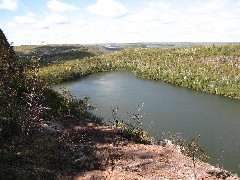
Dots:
{"x": 27, "y": 22}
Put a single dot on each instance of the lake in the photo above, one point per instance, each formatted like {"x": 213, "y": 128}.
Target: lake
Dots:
{"x": 165, "y": 107}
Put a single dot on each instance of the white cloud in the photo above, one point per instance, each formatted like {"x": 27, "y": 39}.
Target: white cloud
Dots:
{"x": 107, "y": 8}
{"x": 40, "y": 25}
{"x": 9, "y": 4}
{"x": 31, "y": 14}
{"x": 159, "y": 12}
{"x": 165, "y": 21}
{"x": 29, "y": 18}
{"x": 238, "y": 6}
{"x": 160, "y": 5}
{"x": 56, "y": 19}
{"x": 11, "y": 24}
{"x": 24, "y": 20}
{"x": 58, "y": 6}
{"x": 159, "y": 21}
{"x": 208, "y": 6}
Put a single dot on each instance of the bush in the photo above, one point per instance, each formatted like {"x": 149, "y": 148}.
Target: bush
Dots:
{"x": 25, "y": 105}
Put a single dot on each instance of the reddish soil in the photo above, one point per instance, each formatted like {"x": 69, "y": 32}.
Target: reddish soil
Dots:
{"x": 107, "y": 154}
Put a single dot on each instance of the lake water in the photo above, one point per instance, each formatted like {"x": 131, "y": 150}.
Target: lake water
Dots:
{"x": 165, "y": 108}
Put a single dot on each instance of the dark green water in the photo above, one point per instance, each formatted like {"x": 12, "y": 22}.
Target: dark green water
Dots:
{"x": 168, "y": 108}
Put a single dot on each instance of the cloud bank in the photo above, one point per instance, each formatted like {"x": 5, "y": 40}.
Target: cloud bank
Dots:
{"x": 109, "y": 21}
{"x": 107, "y": 8}
{"x": 11, "y": 5}
{"x": 58, "y": 6}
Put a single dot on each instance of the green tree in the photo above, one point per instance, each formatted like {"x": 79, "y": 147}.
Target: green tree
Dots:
{"x": 21, "y": 95}
{"x": 11, "y": 88}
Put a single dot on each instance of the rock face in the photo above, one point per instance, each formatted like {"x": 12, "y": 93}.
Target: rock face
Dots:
{"x": 52, "y": 128}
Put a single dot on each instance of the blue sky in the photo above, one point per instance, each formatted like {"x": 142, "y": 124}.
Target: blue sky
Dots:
{"x": 119, "y": 21}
